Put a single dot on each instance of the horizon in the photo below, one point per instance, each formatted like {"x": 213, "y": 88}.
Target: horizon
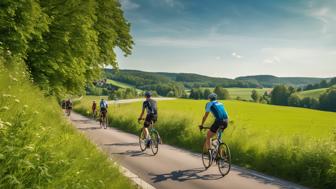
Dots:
{"x": 232, "y": 38}
{"x": 221, "y": 77}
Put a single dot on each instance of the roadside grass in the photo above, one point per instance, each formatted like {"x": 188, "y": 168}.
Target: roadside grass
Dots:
{"x": 315, "y": 93}
{"x": 296, "y": 144}
{"x": 38, "y": 146}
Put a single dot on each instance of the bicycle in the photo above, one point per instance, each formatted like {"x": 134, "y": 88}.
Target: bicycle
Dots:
{"x": 154, "y": 139}
{"x": 103, "y": 121}
{"x": 220, "y": 153}
{"x": 94, "y": 114}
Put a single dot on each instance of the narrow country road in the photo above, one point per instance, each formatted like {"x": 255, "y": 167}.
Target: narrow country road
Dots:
{"x": 172, "y": 167}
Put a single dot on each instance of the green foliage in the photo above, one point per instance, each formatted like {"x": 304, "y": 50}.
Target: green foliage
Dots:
{"x": 222, "y": 93}
{"x": 64, "y": 45}
{"x": 328, "y": 100}
{"x": 123, "y": 94}
{"x": 300, "y": 147}
{"x": 279, "y": 95}
{"x": 39, "y": 148}
{"x": 294, "y": 100}
{"x": 255, "y": 96}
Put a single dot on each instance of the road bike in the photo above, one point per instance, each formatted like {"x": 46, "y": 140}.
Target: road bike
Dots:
{"x": 153, "y": 141}
{"x": 103, "y": 120}
{"x": 219, "y": 153}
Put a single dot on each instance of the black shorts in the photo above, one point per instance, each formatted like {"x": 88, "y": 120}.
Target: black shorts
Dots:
{"x": 149, "y": 119}
{"x": 222, "y": 124}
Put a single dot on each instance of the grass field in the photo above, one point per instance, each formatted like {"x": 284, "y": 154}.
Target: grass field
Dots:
{"x": 38, "y": 146}
{"x": 292, "y": 143}
{"x": 121, "y": 85}
{"x": 315, "y": 93}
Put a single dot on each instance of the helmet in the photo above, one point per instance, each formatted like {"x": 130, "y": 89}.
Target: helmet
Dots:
{"x": 148, "y": 94}
{"x": 212, "y": 96}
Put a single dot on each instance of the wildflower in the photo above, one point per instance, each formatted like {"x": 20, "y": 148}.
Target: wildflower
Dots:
{"x": 8, "y": 123}
{"x": 25, "y": 106}
{"x": 4, "y": 108}
{"x": 6, "y": 95}
{"x": 17, "y": 100}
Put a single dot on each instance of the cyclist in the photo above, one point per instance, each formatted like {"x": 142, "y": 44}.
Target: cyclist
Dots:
{"x": 94, "y": 108}
{"x": 68, "y": 106}
{"x": 150, "y": 106}
{"x": 221, "y": 117}
{"x": 103, "y": 108}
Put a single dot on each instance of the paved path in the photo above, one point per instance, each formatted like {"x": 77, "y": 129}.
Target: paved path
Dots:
{"x": 172, "y": 167}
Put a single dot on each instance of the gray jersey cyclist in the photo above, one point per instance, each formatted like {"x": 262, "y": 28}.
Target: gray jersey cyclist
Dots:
{"x": 221, "y": 117}
{"x": 150, "y": 106}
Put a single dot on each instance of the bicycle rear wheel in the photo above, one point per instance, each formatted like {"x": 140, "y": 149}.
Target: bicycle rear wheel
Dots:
{"x": 142, "y": 141}
{"x": 106, "y": 122}
{"x": 206, "y": 157}
{"x": 154, "y": 142}
{"x": 224, "y": 159}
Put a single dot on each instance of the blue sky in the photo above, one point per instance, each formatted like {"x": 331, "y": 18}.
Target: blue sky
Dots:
{"x": 230, "y": 38}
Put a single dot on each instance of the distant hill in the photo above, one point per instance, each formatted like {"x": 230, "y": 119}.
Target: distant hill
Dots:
{"x": 142, "y": 79}
{"x": 270, "y": 80}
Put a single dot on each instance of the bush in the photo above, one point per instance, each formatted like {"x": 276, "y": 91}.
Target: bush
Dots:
{"x": 294, "y": 100}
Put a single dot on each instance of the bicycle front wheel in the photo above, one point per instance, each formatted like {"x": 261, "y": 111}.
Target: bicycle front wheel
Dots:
{"x": 206, "y": 157}
{"x": 224, "y": 159}
{"x": 142, "y": 140}
{"x": 154, "y": 142}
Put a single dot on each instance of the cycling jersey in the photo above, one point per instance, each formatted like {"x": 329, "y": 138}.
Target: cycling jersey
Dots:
{"x": 217, "y": 109}
{"x": 150, "y": 106}
{"x": 103, "y": 104}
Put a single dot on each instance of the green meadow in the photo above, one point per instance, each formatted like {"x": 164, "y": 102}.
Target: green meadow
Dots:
{"x": 292, "y": 143}
{"x": 315, "y": 93}
{"x": 243, "y": 93}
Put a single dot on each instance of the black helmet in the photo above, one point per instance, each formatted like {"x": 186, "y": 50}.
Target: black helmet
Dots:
{"x": 212, "y": 96}
{"x": 148, "y": 94}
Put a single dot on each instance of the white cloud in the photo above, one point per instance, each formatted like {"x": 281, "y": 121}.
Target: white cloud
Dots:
{"x": 218, "y": 57}
{"x": 234, "y": 54}
{"x": 129, "y": 5}
{"x": 272, "y": 60}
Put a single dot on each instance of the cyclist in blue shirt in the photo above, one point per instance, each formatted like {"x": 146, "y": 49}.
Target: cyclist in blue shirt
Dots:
{"x": 221, "y": 117}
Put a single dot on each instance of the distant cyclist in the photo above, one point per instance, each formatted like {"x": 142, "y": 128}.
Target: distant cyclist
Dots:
{"x": 103, "y": 108}
{"x": 68, "y": 106}
{"x": 94, "y": 109}
{"x": 221, "y": 117}
{"x": 150, "y": 106}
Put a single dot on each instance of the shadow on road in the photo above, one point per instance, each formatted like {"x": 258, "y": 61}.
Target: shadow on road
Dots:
{"x": 184, "y": 175}
{"x": 123, "y": 144}
{"x": 133, "y": 153}
{"x": 88, "y": 128}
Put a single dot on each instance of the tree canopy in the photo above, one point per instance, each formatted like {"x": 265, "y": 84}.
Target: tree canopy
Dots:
{"x": 64, "y": 43}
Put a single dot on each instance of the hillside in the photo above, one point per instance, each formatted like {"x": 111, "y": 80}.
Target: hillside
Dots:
{"x": 270, "y": 80}
{"x": 142, "y": 80}
{"x": 315, "y": 93}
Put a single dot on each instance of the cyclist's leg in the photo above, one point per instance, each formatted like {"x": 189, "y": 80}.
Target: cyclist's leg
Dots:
{"x": 211, "y": 133}
{"x": 147, "y": 123}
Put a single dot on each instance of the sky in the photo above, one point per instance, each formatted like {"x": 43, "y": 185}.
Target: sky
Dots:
{"x": 231, "y": 38}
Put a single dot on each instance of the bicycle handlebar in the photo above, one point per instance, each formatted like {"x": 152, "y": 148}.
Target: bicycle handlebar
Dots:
{"x": 202, "y": 127}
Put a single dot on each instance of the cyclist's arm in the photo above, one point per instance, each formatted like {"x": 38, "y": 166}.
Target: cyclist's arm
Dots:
{"x": 142, "y": 111}
{"x": 205, "y": 117}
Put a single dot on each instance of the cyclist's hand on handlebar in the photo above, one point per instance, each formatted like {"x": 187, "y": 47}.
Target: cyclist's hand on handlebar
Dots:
{"x": 139, "y": 119}
{"x": 200, "y": 127}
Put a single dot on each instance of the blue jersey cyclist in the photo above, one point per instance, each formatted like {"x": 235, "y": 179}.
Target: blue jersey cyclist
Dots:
{"x": 221, "y": 117}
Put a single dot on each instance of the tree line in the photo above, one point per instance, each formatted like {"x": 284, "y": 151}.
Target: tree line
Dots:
{"x": 64, "y": 44}
{"x": 288, "y": 96}
{"x": 322, "y": 84}
{"x": 199, "y": 93}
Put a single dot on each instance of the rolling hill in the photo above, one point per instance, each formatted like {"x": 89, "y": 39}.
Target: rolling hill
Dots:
{"x": 270, "y": 80}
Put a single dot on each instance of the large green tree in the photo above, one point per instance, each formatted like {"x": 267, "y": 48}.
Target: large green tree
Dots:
{"x": 64, "y": 43}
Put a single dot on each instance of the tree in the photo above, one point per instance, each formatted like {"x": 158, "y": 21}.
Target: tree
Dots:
{"x": 279, "y": 95}
{"x": 64, "y": 45}
{"x": 294, "y": 100}
{"x": 328, "y": 100}
{"x": 206, "y": 93}
{"x": 222, "y": 93}
{"x": 255, "y": 96}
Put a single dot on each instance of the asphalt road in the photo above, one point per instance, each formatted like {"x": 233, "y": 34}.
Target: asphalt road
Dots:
{"x": 171, "y": 167}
